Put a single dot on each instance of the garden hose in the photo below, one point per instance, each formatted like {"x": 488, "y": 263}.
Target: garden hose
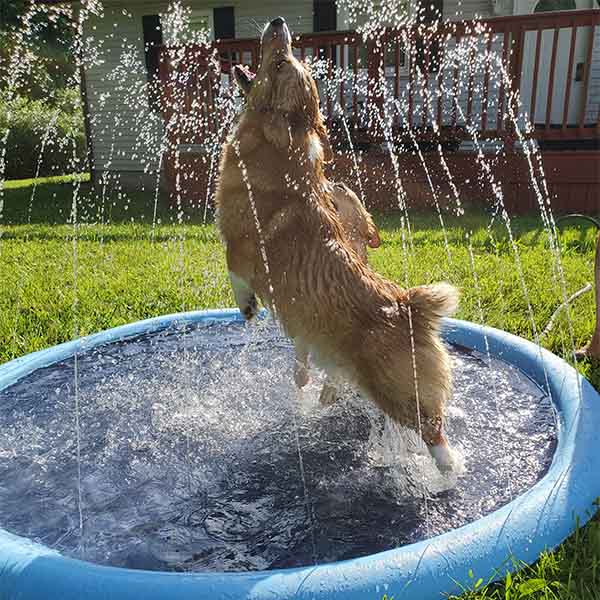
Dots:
{"x": 592, "y": 220}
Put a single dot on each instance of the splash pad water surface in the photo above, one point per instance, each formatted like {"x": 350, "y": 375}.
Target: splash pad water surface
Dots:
{"x": 540, "y": 517}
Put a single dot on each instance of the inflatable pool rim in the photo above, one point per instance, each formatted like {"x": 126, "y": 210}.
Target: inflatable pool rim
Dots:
{"x": 537, "y": 520}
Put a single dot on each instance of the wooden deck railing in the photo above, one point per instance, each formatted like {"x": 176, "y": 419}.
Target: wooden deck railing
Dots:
{"x": 540, "y": 73}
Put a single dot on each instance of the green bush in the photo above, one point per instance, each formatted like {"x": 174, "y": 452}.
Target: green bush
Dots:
{"x": 43, "y": 59}
{"x": 48, "y": 136}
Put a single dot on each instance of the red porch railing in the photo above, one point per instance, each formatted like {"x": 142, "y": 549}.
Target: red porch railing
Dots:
{"x": 456, "y": 80}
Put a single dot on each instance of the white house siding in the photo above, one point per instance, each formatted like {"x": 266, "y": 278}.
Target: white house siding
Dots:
{"x": 592, "y": 108}
{"x": 123, "y": 129}
{"x": 125, "y": 132}
{"x": 297, "y": 13}
{"x": 455, "y": 10}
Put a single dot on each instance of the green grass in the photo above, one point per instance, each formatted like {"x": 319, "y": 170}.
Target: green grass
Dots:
{"x": 128, "y": 270}
{"x": 571, "y": 572}
{"x": 13, "y": 184}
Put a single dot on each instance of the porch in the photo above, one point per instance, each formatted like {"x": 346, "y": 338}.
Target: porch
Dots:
{"x": 435, "y": 94}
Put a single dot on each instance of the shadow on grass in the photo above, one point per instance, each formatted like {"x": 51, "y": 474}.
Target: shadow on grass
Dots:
{"x": 42, "y": 211}
{"x": 111, "y": 233}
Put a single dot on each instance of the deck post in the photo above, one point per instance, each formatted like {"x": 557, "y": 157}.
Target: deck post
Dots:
{"x": 376, "y": 81}
{"x": 515, "y": 68}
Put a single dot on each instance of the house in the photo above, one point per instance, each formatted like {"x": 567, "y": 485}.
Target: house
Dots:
{"x": 127, "y": 130}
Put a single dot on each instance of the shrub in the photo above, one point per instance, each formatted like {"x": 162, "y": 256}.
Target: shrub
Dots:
{"x": 43, "y": 69}
{"x": 44, "y": 135}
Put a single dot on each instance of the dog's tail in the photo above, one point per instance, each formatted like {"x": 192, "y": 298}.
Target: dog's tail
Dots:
{"x": 434, "y": 301}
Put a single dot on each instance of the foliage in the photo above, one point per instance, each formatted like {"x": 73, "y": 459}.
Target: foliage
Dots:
{"x": 50, "y": 26}
{"x": 48, "y": 69}
{"x": 39, "y": 103}
{"x": 43, "y": 138}
{"x": 571, "y": 572}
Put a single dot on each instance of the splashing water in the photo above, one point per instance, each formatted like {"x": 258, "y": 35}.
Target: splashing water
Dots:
{"x": 189, "y": 460}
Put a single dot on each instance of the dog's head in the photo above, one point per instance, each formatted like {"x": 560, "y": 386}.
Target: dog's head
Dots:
{"x": 284, "y": 90}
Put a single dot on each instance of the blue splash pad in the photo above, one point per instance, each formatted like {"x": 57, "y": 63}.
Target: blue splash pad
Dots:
{"x": 540, "y": 518}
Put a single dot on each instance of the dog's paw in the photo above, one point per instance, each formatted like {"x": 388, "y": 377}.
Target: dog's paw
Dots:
{"x": 250, "y": 309}
{"x": 329, "y": 395}
{"x": 446, "y": 459}
{"x": 301, "y": 376}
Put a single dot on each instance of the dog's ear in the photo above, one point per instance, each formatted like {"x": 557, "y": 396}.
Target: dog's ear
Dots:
{"x": 324, "y": 137}
{"x": 244, "y": 78}
{"x": 373, "y": 240}
{"x": 277, "y": 130}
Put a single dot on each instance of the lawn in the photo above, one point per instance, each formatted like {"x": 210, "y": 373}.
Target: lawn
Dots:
{"x": 129, "y": 269}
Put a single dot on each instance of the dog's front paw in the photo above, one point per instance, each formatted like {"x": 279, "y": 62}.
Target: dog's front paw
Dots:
{"x": 251, "y": 308}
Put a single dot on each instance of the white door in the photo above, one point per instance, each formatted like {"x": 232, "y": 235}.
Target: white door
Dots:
{"x": 561, "y": 74}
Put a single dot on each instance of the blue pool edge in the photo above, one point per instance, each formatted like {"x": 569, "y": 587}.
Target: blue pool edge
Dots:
{"x": 537, "y": 520}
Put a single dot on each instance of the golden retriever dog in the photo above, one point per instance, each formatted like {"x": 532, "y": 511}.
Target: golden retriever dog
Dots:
{"x": 357, "y": 224}
{"x": 285, "y": 242}
{"x": 356, "y": 220}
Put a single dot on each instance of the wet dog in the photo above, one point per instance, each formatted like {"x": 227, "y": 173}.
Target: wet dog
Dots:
{"x": 285, "y": 242}
{"x": 358, "y": 226}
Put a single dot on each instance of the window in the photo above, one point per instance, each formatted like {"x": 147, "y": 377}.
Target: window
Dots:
{"x": 550, "y": 5}
{"x": 224, "y": 18}
{"x": 153, "y": 39}
{"x": 390, "y": 54}
{"x": 201, "y": 22}
{"x": 324, "y": 15}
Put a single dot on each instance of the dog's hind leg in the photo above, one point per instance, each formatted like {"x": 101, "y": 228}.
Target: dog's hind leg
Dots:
{"x": 330, "y": 392}
{"x": 244, "y": 296}
{"x": 437, "y": 444}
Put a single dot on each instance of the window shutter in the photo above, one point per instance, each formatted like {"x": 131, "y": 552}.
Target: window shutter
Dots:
{"x": 224, "y": 22}
{"x": 324, "y": 15}
{"x": 431, "y": 10}
{"x": 549, "y": 5}
{"x": 153, "y": 39}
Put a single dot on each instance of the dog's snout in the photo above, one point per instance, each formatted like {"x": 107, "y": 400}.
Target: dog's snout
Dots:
{"x": 276, "y": 40}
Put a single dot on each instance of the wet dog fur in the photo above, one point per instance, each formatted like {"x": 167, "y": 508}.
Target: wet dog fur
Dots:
{"x": 357, "y": 224}
{"x": 361, "y": 232}
{"x": 285, "y": 243}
